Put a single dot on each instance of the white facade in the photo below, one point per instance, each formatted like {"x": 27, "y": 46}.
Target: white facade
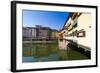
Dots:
{"x": 29, "y": 32}
{"x": 33, "y": 33}
{"x": 26, "y": 32}
{"x": 84, "y": 22}
{"x": 78, "y": 30}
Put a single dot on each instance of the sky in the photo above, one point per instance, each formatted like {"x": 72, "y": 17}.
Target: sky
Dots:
{"x": 53, "y": 20}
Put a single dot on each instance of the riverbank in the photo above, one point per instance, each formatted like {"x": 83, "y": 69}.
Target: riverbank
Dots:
{"x": 41, "y": 41}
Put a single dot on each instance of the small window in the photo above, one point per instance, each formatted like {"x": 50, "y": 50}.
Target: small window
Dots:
{"x": 81, "y": 33}
{"x": 75, "y": 25}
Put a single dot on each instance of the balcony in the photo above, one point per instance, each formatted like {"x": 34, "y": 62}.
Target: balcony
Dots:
{"x": 74, "y": 21}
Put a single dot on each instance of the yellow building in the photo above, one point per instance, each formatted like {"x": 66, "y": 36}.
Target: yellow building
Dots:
{"x": 71, "y": 28}
{"x": 84, "y": 31}
{"x": 54, "y": 34}
{"x": 77, "y": 29}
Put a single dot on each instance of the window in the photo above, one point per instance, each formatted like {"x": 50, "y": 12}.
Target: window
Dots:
{"x": 81, "y": 33}
{"x": 75, "y": 25}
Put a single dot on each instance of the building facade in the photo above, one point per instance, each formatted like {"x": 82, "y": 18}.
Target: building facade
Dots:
{"x": 43, "y": 32}
{"x": 54, "y": 34}
{"x": 77, "y": 30}
{"x": 84, "y": 31}
{"x": 29, "y": 33}
{"x": 39, "y": 32}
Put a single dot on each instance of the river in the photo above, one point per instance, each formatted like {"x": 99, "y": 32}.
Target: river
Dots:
{"x": 43, "y": 52}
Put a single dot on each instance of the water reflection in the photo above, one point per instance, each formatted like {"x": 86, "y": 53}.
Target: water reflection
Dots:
{"x": 42, "y": 52}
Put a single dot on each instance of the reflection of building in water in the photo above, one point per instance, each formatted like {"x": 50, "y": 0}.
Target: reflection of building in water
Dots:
{"x": 77, "y": 30}
{"x": 62, "y": 41}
